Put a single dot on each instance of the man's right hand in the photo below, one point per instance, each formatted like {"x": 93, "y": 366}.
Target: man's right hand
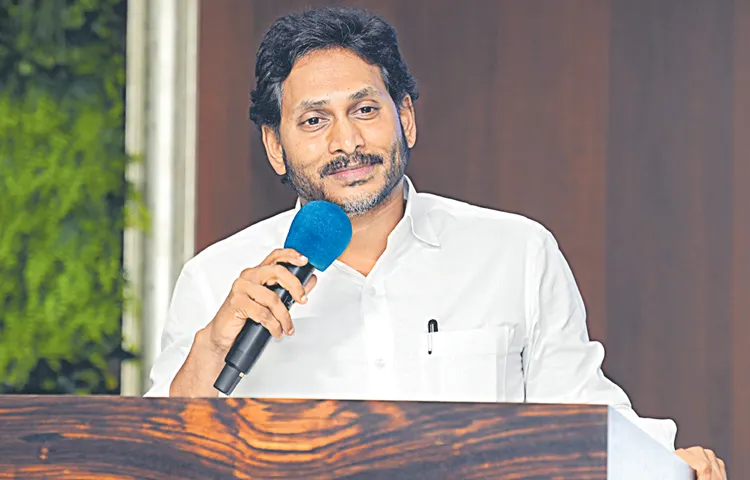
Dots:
{"x": 248, "y": 298}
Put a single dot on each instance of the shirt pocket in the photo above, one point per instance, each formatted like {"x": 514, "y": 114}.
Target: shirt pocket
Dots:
{"x": 466, "y": 365}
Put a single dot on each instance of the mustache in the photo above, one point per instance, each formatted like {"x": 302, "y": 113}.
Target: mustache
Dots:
{"x": 355, "y": 160}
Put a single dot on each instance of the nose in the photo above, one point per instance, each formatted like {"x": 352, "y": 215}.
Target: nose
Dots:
{"x": 345, "y": 137}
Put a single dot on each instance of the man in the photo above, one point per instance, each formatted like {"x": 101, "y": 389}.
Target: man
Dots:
{"x": 334, "y": 103}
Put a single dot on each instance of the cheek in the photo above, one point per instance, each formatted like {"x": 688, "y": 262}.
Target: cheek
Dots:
{"x": 306, "y": 153}
{"x": 381, "y": 136}
{"x": 313, "y": 149}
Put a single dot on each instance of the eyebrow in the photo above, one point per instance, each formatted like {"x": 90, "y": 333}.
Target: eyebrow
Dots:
{"x": 363, "y": 93}
{"x": 315, "y": 104}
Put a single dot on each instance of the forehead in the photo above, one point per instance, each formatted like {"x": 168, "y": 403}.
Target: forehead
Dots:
{"x": 328, "y": 75}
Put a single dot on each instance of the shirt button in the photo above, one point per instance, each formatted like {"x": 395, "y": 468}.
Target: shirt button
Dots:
{"x": 380, "y": 363}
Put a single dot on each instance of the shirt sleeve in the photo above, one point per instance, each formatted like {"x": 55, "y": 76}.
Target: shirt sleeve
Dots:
{"x": 188, "y": 313}
{"x": 561, "y": 364}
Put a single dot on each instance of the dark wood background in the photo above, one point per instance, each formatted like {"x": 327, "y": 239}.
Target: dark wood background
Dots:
{"x": 622, "y": 125}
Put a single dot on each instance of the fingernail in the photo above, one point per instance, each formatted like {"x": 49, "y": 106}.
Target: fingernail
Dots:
{"x": 291, "y": 331}
{"x": 303, "y": 258}
{"x": 304, "y": 299}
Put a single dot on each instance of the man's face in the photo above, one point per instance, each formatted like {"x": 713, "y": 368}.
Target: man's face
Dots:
{"x": 341, "y": 135}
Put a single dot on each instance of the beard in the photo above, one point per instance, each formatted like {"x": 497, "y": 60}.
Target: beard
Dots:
{"x": 312, "y": 187}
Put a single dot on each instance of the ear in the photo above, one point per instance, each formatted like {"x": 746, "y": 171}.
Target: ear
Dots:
{"x": 274, "y": 150}
{"x": 408, "y": 120}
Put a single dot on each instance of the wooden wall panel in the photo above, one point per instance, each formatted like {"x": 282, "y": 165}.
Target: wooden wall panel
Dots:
{"x": 503, "y": 120}
{"x": 501, "y": 115}
{"x": 669, "y": 207}
{"x": 224, "y": 78}
{"x": 619, "y": 124}
{"x": 543, "y": 119}
{"x": 740, "y": 366}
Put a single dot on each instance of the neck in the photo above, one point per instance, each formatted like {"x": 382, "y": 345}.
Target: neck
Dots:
{"x": 370, "y": 232}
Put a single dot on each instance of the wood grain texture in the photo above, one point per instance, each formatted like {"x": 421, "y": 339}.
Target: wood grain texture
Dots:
{"x": 146, "y": 438}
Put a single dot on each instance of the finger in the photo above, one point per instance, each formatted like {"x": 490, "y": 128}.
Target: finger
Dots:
{"x": 722, "y": 468}
{"x": 690, "y": 458}
{"x": 697, "y": 461}
{"x": 279, "y": 275}
{"x": 706, "y": 470}
{"x": 273, "y": 303}
{"x": 249, "y": 274}
{"x": 716, "y": 472}
{"x": 715, "y": 469}
{"x": 246, "y": 307}
{"x": 710, "y": 457}
{"x": 288, "y": 255}
{"x": 262, "y": 315}
{"x": 280, "y": 255}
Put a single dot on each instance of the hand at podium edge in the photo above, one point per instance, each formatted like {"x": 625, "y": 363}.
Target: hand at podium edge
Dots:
{"x": 705, "y": 463}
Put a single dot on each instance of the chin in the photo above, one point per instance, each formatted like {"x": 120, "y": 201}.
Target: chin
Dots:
{"x": 353, "y": 194}
{"x": 360, "y": 195}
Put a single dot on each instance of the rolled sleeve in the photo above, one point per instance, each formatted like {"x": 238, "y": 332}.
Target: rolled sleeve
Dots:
{"x": 188, "y": 313}
{"x": 561, "y": 363}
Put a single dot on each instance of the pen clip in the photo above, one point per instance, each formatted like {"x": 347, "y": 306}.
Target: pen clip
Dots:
{"x": 432, "y": 327}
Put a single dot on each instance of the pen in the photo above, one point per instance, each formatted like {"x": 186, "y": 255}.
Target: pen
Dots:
{"x": 432, "y": 327}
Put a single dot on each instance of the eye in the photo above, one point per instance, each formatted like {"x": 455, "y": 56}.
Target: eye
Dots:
{"x": 367, "y": 109}
{"x": 312, "y": 121}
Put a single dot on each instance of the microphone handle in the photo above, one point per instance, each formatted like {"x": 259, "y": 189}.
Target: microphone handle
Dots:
{"x": 253, "y": 337}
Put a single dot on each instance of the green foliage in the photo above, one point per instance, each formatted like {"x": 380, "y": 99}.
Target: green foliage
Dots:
{"x": 62, "y": 194}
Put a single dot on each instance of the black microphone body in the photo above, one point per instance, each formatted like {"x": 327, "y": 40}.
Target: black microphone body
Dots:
{"x": 253, "y": 337}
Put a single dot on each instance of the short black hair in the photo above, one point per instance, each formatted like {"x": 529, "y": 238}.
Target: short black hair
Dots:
{"x": 293, "y": 36}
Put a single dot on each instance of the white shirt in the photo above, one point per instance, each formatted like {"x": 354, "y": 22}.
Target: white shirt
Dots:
{"x": 511, "y": 321}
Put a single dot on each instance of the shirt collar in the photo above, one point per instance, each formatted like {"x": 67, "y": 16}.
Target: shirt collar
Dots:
{"x": 417, "y": 213}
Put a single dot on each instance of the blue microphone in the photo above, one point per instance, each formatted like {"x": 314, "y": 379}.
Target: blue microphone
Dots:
{"x": 321, "y": 231}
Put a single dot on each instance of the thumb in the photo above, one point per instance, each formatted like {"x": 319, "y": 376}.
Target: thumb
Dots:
{"x": 311, "y": 284}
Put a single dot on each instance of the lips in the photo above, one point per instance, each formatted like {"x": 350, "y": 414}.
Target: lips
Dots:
{"x": 355, "y": 174}
{"x": 350, "y": 168}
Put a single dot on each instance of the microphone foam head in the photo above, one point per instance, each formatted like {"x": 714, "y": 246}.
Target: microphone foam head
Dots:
{"x": 321, "y": 231}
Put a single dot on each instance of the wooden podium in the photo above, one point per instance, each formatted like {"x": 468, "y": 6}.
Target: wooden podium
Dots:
{"x": 149, "y": 438}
